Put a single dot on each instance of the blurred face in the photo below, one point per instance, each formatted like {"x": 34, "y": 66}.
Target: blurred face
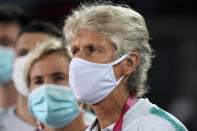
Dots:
{"x": 94, "y": 47}
{"x": 8, "y": 34}
{"x": 51, "y": 69}
{"x": 27, "y": 41}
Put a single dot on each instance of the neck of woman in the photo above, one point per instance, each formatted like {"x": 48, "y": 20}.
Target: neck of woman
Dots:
{"x": 76, "y": 125}
{"x": 22, "y": 110}
{"x": 109, "y": 110}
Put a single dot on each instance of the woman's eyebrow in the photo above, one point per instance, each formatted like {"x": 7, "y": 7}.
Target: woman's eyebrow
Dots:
{"x": 37, "y": 77}
{"x": 57, "y": 73}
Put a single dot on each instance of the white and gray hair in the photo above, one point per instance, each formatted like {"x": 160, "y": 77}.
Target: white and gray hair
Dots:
{"x": 124, "y": 27}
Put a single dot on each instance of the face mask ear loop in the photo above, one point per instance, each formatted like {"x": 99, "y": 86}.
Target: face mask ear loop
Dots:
{"x": 121, "y": 78}
{"x": 120, "y": 59}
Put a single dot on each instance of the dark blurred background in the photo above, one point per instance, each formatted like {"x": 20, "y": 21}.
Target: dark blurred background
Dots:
{"x": 172, "y": 26}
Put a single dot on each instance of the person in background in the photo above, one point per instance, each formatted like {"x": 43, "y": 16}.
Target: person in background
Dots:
{"x": 51, "y": 100}
{"x": 110, "y": 60}
{"x": 12, "y": 19}
{"x": 18, "y": 117}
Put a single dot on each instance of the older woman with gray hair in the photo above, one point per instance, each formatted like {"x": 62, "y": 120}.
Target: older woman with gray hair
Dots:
{"x": 111, "y": 58}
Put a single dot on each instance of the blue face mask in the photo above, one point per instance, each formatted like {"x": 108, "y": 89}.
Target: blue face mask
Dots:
{"x": 6, "y": 64}
{"x": 2, "y": 112}
{"x": 53, "y": 105}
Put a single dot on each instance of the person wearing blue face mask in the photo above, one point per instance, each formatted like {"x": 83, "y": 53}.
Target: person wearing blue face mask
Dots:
{"x": 111, "y": 56}
{"x": 51, "y": 100}
{"x": 6, "y": 63}
{"x": 12, "y": 18}
{"x": 6, "y": 69}
{"x": 18, "y": 115}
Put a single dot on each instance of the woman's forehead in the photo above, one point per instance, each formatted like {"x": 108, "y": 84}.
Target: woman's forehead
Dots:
{"x": 87, "y": 37}
{"x": 50, "y": 64}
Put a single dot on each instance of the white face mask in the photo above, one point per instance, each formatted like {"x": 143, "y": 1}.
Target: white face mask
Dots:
{"x": 18, "y": 76}
{"x": 92, "y": 82}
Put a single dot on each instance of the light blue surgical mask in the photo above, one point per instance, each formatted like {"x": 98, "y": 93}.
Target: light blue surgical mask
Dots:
{"x": 2, "y": 112}
{"x": 53, "y": 105}
{"x": 6, "y": 64}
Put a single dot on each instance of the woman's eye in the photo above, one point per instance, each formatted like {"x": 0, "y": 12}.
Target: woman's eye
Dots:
{"x": 22, "y": 53}
{"x": 38, "y": 82}
{"x": 74, "y": 51}
{"x": 92, "y": 49}
{"x": 59, "y": 78}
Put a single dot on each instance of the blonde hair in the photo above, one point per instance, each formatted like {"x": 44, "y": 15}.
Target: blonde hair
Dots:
{"x": 43, "y": 49}
{"x": 124, "y": 27}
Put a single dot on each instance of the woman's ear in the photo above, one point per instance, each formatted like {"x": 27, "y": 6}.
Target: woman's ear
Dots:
{"x": 131, "y": 63}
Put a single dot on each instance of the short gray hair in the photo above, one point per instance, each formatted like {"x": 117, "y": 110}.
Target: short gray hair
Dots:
{"x": 125, "y": 28}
